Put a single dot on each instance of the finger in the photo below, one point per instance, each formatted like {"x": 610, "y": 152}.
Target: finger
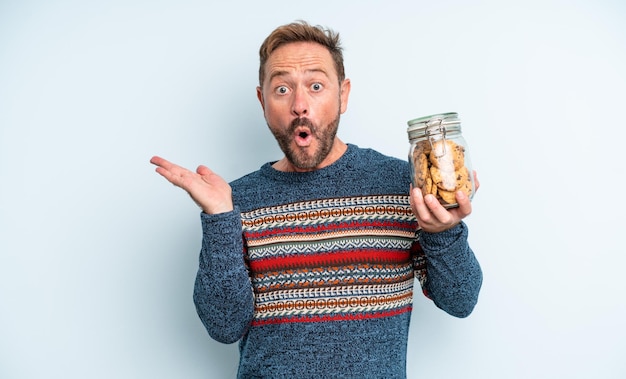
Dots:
{"x": 164, "y": 164}
{"x": 168, "y": 169}
{"x": 171, "y": 177}
{"x": 417, "y": 202}
{"x": 158, "y": 161}
{"x": 442, "y": 215}
{"x": 465, "y": 206}
{"x": 177, "y": 175}
{"x": 476, "y": 182}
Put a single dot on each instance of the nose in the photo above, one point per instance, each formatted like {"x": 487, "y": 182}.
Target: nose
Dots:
{"x": 300, "y": 105}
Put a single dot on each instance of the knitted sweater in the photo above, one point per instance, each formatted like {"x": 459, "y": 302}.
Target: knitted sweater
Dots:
{"x": 313, "y": 273}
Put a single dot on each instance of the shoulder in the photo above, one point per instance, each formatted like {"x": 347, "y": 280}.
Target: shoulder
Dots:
{"x": 378, "y": 173}
{"x": 369, "y": 157}
{"x": 252, "y": 178}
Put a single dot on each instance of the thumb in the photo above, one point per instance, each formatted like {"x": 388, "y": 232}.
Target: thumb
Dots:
{"x": 203, "y": 170}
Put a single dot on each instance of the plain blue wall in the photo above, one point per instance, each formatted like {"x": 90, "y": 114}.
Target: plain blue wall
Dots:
{"x": 98, "y": 253}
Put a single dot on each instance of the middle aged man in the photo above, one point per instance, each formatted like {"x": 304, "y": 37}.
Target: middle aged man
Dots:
{"x": 310, "y": 261}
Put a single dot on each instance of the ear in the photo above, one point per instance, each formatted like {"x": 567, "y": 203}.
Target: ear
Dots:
{"x": 345, "y": 93}
{"x": 259, "y": 95}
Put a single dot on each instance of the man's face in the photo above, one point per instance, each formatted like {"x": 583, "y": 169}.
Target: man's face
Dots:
{"x": 302, "y": 101}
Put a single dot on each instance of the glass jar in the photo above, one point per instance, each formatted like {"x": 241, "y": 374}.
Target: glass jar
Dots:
{"x": 439, "y": 158}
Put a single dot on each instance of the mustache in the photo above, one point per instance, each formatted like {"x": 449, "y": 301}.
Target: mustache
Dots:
{"x": 302, "y": 121}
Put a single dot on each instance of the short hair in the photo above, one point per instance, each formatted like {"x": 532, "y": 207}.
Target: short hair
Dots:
{"x": 301, "y": 31}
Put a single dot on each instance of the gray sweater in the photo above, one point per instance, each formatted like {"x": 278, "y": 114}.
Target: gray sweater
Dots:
{"x": 313, "y": 273}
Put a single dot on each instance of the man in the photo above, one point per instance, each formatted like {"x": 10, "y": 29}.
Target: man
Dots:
{"x": 309, "y": 262}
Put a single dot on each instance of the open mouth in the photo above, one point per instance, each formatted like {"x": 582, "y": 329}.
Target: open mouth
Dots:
{"x": 303, "y": 136}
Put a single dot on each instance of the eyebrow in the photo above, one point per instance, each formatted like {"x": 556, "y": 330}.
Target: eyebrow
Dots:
{"x": 285, "y": 73}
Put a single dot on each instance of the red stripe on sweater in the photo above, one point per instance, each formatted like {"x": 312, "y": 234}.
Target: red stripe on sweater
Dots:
{"x": 330, "y": 259}
{"x": 334, "y": 317}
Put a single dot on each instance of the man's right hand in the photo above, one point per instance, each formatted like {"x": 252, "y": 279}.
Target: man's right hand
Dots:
{"x": 205, "y": 187}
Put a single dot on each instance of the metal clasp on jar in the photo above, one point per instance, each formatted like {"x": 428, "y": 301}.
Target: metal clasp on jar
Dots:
{"x": 436, "y": 124}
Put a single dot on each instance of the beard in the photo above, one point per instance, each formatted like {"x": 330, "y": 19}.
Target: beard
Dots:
{"x": 300, "y": 157}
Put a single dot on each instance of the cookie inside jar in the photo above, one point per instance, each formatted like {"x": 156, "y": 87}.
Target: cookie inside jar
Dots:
{"x": 439, "y": 161}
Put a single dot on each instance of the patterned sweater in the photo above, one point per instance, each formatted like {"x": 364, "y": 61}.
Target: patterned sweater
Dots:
{"x": 313, "y": 273}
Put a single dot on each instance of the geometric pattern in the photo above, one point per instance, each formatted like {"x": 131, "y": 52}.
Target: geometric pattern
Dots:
{"x": 333, "y": 259}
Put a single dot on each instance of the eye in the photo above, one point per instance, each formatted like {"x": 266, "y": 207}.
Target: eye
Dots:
{"x": 282, "y": 90}
{"x": 316, "y": 87}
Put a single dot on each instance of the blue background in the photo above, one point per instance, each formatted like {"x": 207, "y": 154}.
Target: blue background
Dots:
{"x": 98, "y": 253}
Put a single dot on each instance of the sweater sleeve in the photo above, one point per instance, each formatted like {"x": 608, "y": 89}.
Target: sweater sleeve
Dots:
{"x": 454, "y": 276}
{"x": 222, "y": 293}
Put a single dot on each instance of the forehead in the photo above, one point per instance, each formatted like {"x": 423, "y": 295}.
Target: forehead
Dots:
{"x": 300, "y": 57}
